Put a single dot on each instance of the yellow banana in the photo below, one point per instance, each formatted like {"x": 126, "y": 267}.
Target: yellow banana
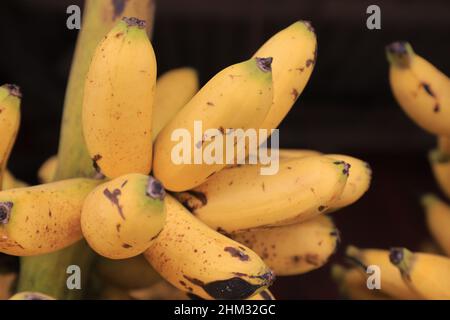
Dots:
{"x": 31, "y": 296}
{"x": 174, "y": 89}
{"x": 440, "y": 165}
{"x": 238, "y": 97}
{"x": 47, "y": 170}
{"x": 43, "y": 218}
{"x": 294, "y": 51}
{"x": 11, "y": 182}
{"x": 6, "y": 282}
{"x": 297, "y": 153}
{"x": 99, "y": 17}
{"x": 118, "y": 101}
{"x": 240, "y": 198}
{"x": 121, "y": 217}
{"x": 198, "y": 260}
{"x": 427, "y": 274}
{"x": 392, "y": 283}
{"x": 358, "y": 181}
{"x": 132, "y": 273}
{"x": 421, "y": 90}
{"x": 438, "y": 219}
{"x": 10, "y": 97}
{"x": 293, "y": 249}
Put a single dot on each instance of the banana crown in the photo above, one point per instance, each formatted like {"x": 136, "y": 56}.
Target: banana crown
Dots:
{"x": 399, "y": 54}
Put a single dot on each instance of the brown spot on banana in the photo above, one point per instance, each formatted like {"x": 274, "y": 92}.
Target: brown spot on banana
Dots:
{"x": 114, "y": 198}
{"x": 236, "y": 253}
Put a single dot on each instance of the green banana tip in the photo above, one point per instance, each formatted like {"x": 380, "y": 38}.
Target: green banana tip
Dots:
{"x": 399, "y": 53}
{"x": 134, "y": 22}
{"x": 14, "y": 90}
{"x": 402, "y": 258}
{"x": 264, "y": 64}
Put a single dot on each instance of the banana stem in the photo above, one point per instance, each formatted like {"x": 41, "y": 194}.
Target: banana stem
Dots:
{"x": 48, "y": 273}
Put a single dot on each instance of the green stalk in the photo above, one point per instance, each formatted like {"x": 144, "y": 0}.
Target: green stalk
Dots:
{"x": 47, "y": 273}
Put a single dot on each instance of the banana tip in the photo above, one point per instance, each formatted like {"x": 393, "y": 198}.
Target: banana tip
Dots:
{"x": 264, "y": 64}
{"x": 428, "y": 199}
{"x": 398, "y": 53}
{"x": 14, "y": 90}
{"x": 5, "y": 211}
{"x": 155, "y": 189}
{"x": 134, "y": 22}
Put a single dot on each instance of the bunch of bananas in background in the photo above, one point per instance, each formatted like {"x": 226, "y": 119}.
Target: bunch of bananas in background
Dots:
{"x": 207, "y": 231}
{"x": 423, "y": 92}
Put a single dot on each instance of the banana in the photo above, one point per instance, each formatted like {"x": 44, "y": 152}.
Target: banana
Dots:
{"x": 118, "y": 101}
{"x": 427, "y": 274}
{"x": 293, "y": 249}
{"x": 121, "y": 217}
{"x": 43, "y": 218}
{"x": 173, "y": 90}
{"x": 99, "y": 17}
{"x": 358, "y": 181}
{"x": 198, "y": 260}
{"x": 391, "y": 281}
{"x": 47, "y": 170}
{"x": 352, "y": 284}
{"x": 11, "y": 182}
{"x": 421, "y": 90}
{"x": 238, "y": 97}
{"x": 26, "y": 295}
{"x": 440, "y": 165}
{"x": 10, "y": 98}
{"x": 294, "y": 52}
{"x": 297, "y": 153}
{"x": 6, "y": 283}
{"x": 240, "y": 198}
{"x": 438, "y": 219}
{"x": 132, "y": 273}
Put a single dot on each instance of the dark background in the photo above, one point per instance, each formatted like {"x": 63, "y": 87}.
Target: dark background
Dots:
{"x": 347, "y": 106}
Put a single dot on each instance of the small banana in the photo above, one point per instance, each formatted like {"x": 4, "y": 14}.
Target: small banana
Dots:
{"x": 174, "y": 89}
{"x": 440, "y": 165}
{"x": 118, "y": 101}
{"x": 293, "y": 249}
{"x": 358, "y": 181}
{"x": 10, "y": 98}
{"x": 31, "y": 296}
{"x": 392, "y": 283}
{"x": 427, "y": 274}
{"x": 438, "y": 219}
{"x": 11, "y": 182}
{"x": 43, "y": 218}
{"x": 48, "y": 169}
{"x": 240, "y": 198}
{"x": 238, "y": 97}
{"x": 421, "y": 90}
{"x": 200, "y": 261}
{"x": 121, "y": 217}
{"x": 294, "y": 51}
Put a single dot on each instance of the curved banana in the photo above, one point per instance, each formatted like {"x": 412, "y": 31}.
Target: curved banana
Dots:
{"x": 427, "y": 274}
{"x": 10, "y": 98}
{"x": 438, "y": 219}
{"x": 421, "y": 90}
{"x": 294, "y": 52}
{"x": 174, "y": 89}
{"x": 238, "y": 97}
{"x": 31, "y": 296}
{"x": 48, "y": 169}
{"x": 440, "y": 165}
{"x": 358, "y": 181}
{"x": 121, "y": 217}
{"x": 118, "y": 101}
{"x": 43, "y": 218}
{"x": 240, "y": 198}
{"x": 132, "y": 273}
{"x": 392, "y": 283}
{"x": 198, "y": 260}
{"x": 293, "y": 249}
{"x": 11, "y": 182}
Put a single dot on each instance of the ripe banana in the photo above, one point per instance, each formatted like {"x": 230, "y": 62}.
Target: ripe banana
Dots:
{"x": 240, "y": 198}
{"x": 198, "y": 260}
{"x": 427, "y": 274}
{"x": 238, "y": 97}
{"x": 99, "y": 17}
{"x": 11, "y": 182}
{"x": 10, "y": 97}
{"x": 438, "y": 219}
{"x": 421, "y": 90}
{"x": 294, "y": 52}
{"x": 293, "y": 249}
{"x": 132, "y": 273}
{"x": 47, "y": 170}
{"x": 391, "y": 281}
{"x": 358, "y": 181}
{"x": 118, "y": 101}
{"x": 31, "y": 296}
{"x": 43, "y": 218}
{"x": 174, "y": 89}
{"x": 440, "y": 165}
{"x": 121, "y": 217}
